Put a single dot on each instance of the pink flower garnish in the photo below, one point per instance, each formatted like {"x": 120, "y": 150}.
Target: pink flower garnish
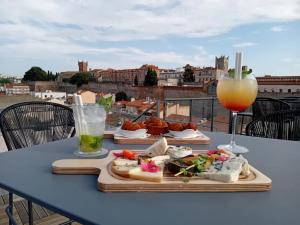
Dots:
{"x": 150, "y": 167}
{"x": 118, "y": 154}
{"x": 210, "y": 152}
{"x": 223, "y": 158}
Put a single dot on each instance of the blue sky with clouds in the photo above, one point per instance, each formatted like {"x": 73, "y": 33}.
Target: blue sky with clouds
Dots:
{"x": 54, "y": 34}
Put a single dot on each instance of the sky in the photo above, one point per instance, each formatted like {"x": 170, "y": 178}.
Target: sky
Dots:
{"x": 55, "y": 34}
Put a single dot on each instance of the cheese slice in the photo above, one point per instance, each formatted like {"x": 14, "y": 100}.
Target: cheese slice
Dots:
{"x": 160, "y": 160}
{"x": 138, "y": 174}
{"x": 158, "y": 148}
{"x": 122, "y": 171}
{"x": 229, "y": 173}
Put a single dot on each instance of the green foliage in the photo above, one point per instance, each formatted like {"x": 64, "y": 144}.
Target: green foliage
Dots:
{"x": 81, "y": 78}
{"x": 106, "y": 102}
{"x": 36, "y": 73}
{"x": 120, "y": 96}
{"x": 188, "y": 75}
{"x": 231, "y": 73}
{"x": 150, "y": 78}
{"x": 4, "y": 80}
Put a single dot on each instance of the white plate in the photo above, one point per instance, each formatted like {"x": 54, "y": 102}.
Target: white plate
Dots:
{"x": 140, "y": 133}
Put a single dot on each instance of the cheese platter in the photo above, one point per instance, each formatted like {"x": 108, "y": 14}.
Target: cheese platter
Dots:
{"x": 165, "y": 168}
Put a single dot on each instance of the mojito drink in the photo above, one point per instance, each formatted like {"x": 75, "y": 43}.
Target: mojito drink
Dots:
{"x": 90, "y": 125}
{"x": 90, "y": 143}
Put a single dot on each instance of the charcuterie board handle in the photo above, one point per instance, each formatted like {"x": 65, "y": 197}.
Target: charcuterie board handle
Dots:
{"x": 78, "y": 166}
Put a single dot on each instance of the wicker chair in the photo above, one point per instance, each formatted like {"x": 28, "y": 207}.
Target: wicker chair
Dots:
{"x": 279, "y": 125}
{"x": 32, "y": 123}
{"x": 264, "y": 106}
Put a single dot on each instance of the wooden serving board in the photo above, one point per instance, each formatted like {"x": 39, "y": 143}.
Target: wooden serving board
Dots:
{"x": 110, "y": 182}
{"x": 172, "y": 141}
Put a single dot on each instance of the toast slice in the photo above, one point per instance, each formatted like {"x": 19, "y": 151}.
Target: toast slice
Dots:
{"x": 138, "y": 174}
{"x": 122, "y": 171}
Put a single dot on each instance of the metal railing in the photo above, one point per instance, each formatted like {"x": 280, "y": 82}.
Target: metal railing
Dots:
{"x": 190, "y": 102}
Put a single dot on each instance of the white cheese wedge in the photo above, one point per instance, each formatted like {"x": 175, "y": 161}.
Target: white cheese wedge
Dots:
{"x": 179, "y": 151}
{"x": 229, "y": 173}
{"x": 245, "y": 165}
{"x": 158, "y": 148}
{"x": 124, "y": 162}
{"x": 160, "y": 160}
{"x": 138, "y": 174}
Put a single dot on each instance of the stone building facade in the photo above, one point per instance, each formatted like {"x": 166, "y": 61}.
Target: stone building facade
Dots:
{"x": 126, "y": 75}
{"x": 278, "y": 84}
{"x": 221, "y": 63}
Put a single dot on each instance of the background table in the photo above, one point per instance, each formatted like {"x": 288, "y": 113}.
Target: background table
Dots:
{"x": 27, "y": 172}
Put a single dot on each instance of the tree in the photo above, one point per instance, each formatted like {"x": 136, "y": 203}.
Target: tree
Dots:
{"x": 188, "y": 75}
{"x": 136, "y": 82}
{"x": 150, "y": 78}
{"x": 81, "y": 78}
{"x": 4, "y": 80}
{"x": 35, "y": 73}
{"x": 121, "y": 96}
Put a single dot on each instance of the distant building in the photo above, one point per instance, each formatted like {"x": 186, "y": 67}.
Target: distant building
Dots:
{"x": 171, "y": 74}
{"x": 64, "y": 77}
{"x": 88, "y": 97}
{"x": 278, "y": 84}
{"x": 83, "y": 66}
{"x": 42, "y": 86}
{"x": 221, "y": 63}
{"x": 168, "y": 82}
{"x": 126, "y": 75}
{"x": 48, "y": 94}
{"x": 136, "y": 107}
{"x": 207, "y": 74}
{"x": 16, "y": 89}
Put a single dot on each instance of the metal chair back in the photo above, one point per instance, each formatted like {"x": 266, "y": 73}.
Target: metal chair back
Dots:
{"x": 31, "y": 123}
{"x": 263, "y": 106}
{"x": 279, "y": 125}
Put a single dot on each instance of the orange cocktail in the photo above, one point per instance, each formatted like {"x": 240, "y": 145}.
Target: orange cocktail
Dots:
{"x": 237, "y": 94}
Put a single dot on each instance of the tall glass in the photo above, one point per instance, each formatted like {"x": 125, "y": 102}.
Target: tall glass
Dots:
{"x": 236, "y": 95}
{"x": 90, "y": 126}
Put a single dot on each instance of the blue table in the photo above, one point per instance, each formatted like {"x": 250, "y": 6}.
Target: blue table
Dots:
{"x": 27, "y": 172}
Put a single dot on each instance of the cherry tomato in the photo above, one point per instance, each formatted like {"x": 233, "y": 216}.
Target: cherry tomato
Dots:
{"x": 129, "y": 154}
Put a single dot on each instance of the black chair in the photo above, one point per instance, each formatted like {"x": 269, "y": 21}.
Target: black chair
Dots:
{"x": 294, "y": 102}
{"x": 32, "y": 123}
{"x": 263, "y": 106}
{"x": 279, "y": 125}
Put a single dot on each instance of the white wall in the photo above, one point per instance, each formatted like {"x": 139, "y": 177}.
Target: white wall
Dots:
{"x": 49, "y": 94}
{"x": 276, "y": 88}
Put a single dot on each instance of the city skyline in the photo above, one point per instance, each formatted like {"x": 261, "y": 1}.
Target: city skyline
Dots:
{"x": 169, "y": 34}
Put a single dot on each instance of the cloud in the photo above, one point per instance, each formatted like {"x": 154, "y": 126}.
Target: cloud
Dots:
{"x": 143, "y": 19}
{"x": 77, "y": 27}
{"x": 244, "y": 44}
{"x": 277, "y": 28}
{"x": 286, "y": 60}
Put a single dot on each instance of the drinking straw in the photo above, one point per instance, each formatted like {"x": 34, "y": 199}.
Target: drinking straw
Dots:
{"x": 81, "y": 119}
{"x": 238, "y": 66}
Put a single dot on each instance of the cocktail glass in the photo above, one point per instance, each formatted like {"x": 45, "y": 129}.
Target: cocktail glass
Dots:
{"x": 90, "y": 126}
{"x": 236, "y": 94}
